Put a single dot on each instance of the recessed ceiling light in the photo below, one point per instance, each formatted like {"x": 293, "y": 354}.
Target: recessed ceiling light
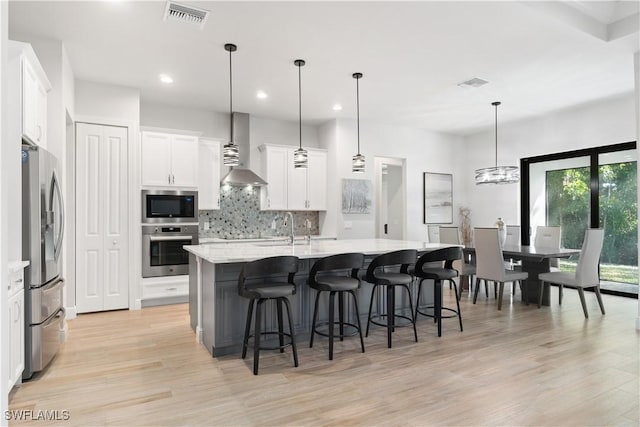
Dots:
{"x": 337, "y": 107}
{"x": 164, "y": 78}
{"x": 261, "y": 95}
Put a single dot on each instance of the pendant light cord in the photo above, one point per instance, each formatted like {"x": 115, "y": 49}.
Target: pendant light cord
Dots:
{"x": 300, "y": 104}
{"x": 358, "y": 111}
{"x": 230, "y": 100}
{"x": 496, "y": 135}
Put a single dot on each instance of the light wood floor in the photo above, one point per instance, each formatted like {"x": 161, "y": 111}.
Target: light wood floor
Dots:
{"x": 522, "y": 366}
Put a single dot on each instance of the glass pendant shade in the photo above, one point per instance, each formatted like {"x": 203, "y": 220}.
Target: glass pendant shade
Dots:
{"x": 230, "y": 155}
{"x": 357, "y": 164}
{"x": 300, "y": 159}
{"x": 497, "y": 174}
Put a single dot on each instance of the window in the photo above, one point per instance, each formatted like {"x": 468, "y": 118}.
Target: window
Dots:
{"x": 594, "y": 188}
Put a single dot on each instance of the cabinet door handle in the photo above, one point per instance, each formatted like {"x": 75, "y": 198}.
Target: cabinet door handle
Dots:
{"x": 171, "y": 289}
{"x": 173, "y": 179}
{"x": 19, "y": 280}
{"x": 39, "y": 132}
{"x": 169, "y": 178}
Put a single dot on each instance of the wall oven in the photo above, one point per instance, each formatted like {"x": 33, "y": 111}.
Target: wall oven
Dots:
{"x": 169, "y": 206}
{"x": 162, "y": 252}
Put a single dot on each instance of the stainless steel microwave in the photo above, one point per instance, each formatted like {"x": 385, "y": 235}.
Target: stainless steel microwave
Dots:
{"x": 169, "y": 206}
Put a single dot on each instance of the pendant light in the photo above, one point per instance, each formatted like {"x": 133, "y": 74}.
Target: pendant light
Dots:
{"x": 357, "y": 165}
{"x": 230, "y": 153}
{"x": 497, "y": 174}
{"x": 300, "y": 160}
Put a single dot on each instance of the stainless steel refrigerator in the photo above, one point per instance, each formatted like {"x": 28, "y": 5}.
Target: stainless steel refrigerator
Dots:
{"x": 42, "y": 233}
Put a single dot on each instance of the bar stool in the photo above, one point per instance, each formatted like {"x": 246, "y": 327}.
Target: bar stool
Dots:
{"x": 378, "y": 276}
{"x": 438, "y": 274}
{"x": 264, "y": 287}
{"x": 340, "y": 285}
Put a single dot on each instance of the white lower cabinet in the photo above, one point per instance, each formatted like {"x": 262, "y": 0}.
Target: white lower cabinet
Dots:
{"x": 165, "y": 290}
{"x": 16, "y": 326}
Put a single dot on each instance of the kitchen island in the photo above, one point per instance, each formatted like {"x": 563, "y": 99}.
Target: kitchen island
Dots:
{"x": 218, "y": 313}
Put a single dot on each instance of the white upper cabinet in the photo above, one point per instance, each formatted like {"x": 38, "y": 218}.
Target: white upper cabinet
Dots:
{"x": 26, "y": 72}
{"x": 289, "y": 188}
{"x": 273, "y": 196}
{"x": 209, "y": 174}
{"x": 169, "y": 160}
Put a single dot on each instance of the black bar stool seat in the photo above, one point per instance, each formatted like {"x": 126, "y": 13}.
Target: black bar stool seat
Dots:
{"x": 378, "y": 275}
{"x": 424, "y": 271}
{"x": 256, "y": 283}
{"x": 339, "y": 284}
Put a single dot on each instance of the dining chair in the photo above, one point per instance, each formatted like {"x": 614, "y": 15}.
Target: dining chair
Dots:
{"x": 513, "y": 239}
{"x": 548, "y": 237}
{"x": 586, "y": 275}
{"x": 490, "y": 264}
{"x": 433, "y": 233}
{"x": 451, "y": 236}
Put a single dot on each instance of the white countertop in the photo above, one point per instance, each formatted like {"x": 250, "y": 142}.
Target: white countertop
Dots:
{"x": 15, "y": 266}
{"x": 251, "y": 251}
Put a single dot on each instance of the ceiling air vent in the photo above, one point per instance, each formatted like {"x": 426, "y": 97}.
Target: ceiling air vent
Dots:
{"x": 189, "y": 14}
{"x": 474, "y": 82}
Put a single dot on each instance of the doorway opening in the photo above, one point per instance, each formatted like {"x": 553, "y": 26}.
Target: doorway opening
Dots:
{"x": 391, "y": 196}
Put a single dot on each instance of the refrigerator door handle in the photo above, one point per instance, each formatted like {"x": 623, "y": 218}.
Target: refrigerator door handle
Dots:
{"x": 55, "y": 189}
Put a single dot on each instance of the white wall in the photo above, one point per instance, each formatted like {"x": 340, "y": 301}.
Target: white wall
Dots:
{"x": 4, "y": 184}
{"x": 606, "y": 122}
{"x": 424, "y": 151}
{"x": 107, "y": 101}
{"x": 636, "y": 73}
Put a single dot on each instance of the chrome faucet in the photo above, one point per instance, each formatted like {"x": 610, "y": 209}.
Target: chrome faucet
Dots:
{"x": 287, "y": 216}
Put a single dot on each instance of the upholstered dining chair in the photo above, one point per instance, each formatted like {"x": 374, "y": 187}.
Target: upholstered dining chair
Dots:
{"x": 586, "y": 275}
{"x": 451, "y": 236}
{"x": 490, "y": 264}
{"x": 513, "y": 235}
{"x": 433, "y": 233}
{"x": 548, "y": 237}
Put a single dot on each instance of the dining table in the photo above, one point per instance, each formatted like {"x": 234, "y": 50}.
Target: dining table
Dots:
{"x": 535, "y": 260}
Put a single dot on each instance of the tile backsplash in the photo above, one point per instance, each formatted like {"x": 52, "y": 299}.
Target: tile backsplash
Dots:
{"x": 240, "y": 217}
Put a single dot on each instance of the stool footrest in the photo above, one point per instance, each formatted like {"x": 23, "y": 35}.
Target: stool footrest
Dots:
{"x": 455, "y": 312}
{"x": 278, "y": 347}
{"x": 336, "y": 324}
{"x": 401, "y": 316}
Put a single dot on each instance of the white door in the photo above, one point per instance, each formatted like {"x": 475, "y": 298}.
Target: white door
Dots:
{"x": 102, "y": 220}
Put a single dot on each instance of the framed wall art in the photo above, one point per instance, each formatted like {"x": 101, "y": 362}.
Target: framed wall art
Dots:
{"x": 438, "y": 198}
{"x": 356, "y": 196}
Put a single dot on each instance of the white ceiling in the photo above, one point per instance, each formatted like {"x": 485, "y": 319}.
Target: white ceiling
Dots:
{"x": 412, "y": 55}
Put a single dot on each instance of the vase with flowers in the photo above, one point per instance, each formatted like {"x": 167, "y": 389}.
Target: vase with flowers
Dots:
{"x": 465, "y": 223}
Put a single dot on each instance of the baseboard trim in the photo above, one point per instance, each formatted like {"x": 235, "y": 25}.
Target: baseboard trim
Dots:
{"x": 70, "y": 312}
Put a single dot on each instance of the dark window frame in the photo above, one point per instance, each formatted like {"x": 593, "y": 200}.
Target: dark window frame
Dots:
{"x": 593, "y": 154}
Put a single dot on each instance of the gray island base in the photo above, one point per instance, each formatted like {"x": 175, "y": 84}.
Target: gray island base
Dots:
{"x": 218, "y": 314}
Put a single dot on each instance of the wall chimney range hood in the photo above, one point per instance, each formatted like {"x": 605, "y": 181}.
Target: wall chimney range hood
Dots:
{"x": 241, "y": 137}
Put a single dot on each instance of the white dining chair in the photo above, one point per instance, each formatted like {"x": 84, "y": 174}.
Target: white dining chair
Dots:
{"x": 433, "y": 232}
{"x": 586, "y": 275}
{"x": 451, "y": 235}
{"x": 490, "y": 264}
{"x": 548, "y": 237}
{"x": 513, "y": 235}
